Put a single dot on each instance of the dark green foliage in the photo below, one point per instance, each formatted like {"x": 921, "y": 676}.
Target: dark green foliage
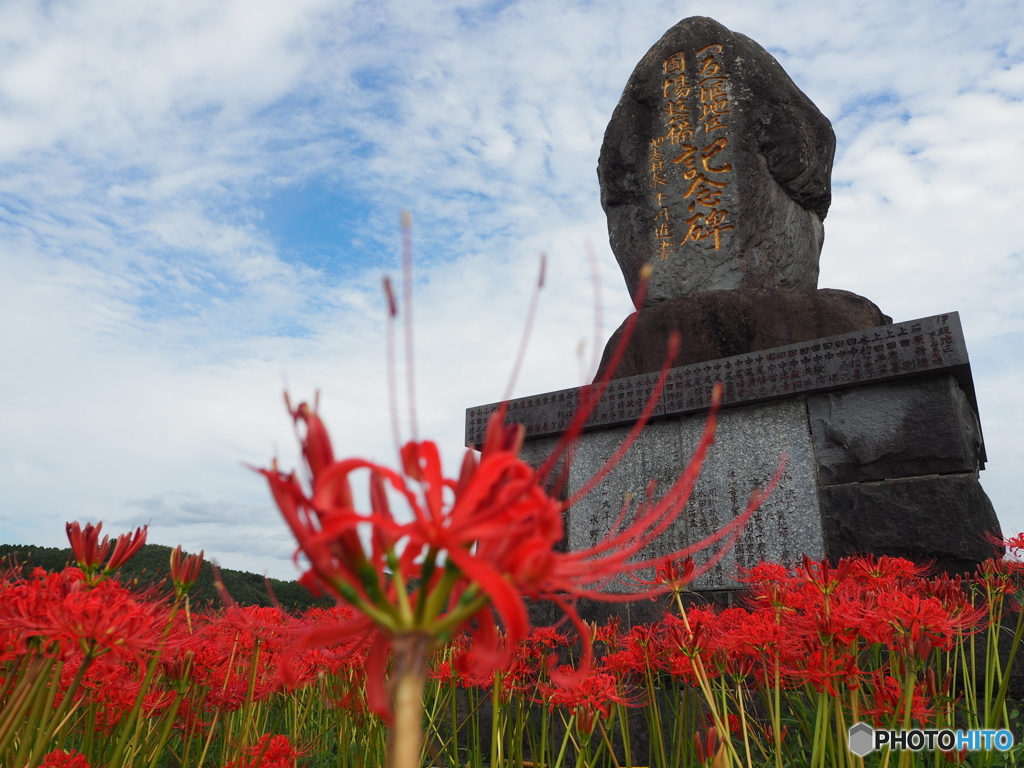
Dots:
{"x": 150, "y": 569}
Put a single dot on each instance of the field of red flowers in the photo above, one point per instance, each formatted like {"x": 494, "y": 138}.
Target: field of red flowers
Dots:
{"x": 95, "y": 674}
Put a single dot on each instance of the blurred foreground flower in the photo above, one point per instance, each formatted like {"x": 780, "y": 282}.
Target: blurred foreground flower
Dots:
{"x": 475, "y": 547}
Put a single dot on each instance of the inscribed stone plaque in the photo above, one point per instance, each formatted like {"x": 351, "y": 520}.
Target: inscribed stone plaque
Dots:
{"x": 715, "y": 168}
{"x": 749, "y": 442}
{"x": 929, "y": 345}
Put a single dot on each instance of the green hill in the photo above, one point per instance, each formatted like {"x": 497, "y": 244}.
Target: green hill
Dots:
{"x": 150, "y": 568}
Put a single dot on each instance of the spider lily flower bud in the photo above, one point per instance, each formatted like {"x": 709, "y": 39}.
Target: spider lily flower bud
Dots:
{"x": 125, "y": 547}
{"x": 91, "y": 553}
{"x": 184, "y": 572}
{"x": 316, "y": 445}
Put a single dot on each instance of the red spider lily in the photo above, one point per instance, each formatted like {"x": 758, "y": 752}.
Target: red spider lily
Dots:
{"x": 112, "y": 688}
{"x": 1000, "y": 577}
{"x": 238, "y": 655}
{"x": 590, "y": 697}
{"x": 476, "y": 547}
{"x": 91, "y": 553}
{"x": 682, "y": 641}
{"x": 60, "y": 612}
{"x": 550, "y": 638}
{"x": 61, "y": 759}
{"x": 769, "y": 732}
{"x": 823, "y": 669}
{"x": 1011, "y": 547}
{"x": 482, "y": 542}
{"x": 820, "y": 575}
{"x": 912, "y": 625}
{"x": 1015, "y": 546}
{"x": 675, "y": 573}
{"x": 886, "y": 570}
{"x": 269, "y": 752}
{"x": 461, "y": 667}
{"x": 889, "y": 699}
{"x": 608, "y": 633}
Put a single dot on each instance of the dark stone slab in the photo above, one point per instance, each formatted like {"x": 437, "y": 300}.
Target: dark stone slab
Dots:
{"x": 721, "y": 324}
{"x": 901, "y": 429}
{"x": 917, "y": 347}
{"x": 715, "y": 167}
{"x": 940, "y": 518}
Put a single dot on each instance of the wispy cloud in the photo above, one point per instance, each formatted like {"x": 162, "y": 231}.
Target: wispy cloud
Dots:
{"x": 168, "y": 174}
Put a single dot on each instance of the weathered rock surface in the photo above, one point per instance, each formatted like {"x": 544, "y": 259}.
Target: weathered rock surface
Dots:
{"x": 720, "y": 324}
{"x": 922, "y": 426}
{"x": 715, "y": 168}
{"x": 938, "y": 518}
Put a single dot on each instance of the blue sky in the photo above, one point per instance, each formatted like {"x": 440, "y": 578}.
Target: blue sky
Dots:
{"x": 198, "y": 200}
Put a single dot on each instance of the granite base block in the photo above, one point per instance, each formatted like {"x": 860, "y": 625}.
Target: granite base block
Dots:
{"x": 910, "y": 428}
{"x": 938, "y": 518}
{"x": 882, "y": 442}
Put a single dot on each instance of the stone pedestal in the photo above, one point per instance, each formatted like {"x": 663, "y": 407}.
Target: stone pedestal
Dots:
{"x": 880, "y": 431}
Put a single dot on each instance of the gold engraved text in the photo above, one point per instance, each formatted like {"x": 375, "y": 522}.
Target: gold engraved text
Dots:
{"x": 694, "y": 101}
{"x": 657, "y": 163}
{"x": 674, "y": 63}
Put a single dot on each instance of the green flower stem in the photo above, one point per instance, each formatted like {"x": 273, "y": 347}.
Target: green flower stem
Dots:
{"x": 42, "y": 699}
{"x": 165, "y": 732}
{"x": 51, "y": 724}
{"x": 22, "y": 697}
{"x": 565, "y": 741}
{"x": 1000, "y": 700}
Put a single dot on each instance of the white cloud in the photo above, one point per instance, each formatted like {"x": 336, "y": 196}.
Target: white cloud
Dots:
{"x": 150, "y": 317}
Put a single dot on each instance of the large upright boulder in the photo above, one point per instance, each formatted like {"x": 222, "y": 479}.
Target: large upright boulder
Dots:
{"x": 715, "y": 168}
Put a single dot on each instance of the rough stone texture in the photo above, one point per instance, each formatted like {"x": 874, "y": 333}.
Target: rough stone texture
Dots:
{"x": 749, "y": 442}
{"x": 899, "y": 429}
{"x": 715, "y": 167}
{"x": 656, "y": 455}
{"x": 938, "y": 518}
{"x": 721, "y": 324}
{"x": 536, "y": 452}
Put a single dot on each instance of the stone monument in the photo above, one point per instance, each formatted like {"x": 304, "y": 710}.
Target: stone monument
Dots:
{"x": 715, "y": 169}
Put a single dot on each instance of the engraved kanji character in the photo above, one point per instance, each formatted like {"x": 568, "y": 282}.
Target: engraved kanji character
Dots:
{"x": 715, "y": 95}
{"x": 711, "y": 225}
{"x": 713, "y": 121}
{"x": 710, "y": 151}
{"x": 675, "y": 87}
{"x": 707, "y": 192}
{"x": 681, "y": 131}
{"x": 709, "y": 67}
{"x": 674, "y": 63}
{"x": 680, "y": 122}
{"x": 689, "y": 161}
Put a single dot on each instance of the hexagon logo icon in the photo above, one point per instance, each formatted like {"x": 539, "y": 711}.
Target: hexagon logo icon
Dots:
{"x": 861, "y": 738}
